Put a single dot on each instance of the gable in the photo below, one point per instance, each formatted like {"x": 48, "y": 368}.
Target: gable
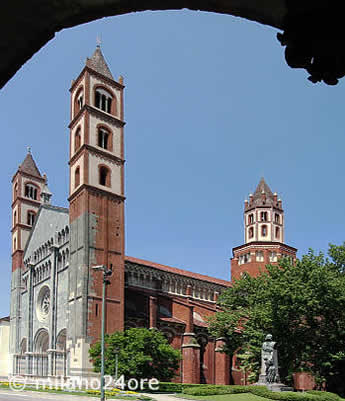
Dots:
{"x": 49, "y": 221}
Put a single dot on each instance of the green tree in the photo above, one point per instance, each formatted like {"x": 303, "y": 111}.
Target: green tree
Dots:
{"x": 142, "y": 353}
{"x": 302, "y": 305}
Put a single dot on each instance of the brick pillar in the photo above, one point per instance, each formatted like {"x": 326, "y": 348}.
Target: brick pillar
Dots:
{"x": 190, "y": 353}
{"x": 153, "y": 312}
{"x": 222, "y": 375}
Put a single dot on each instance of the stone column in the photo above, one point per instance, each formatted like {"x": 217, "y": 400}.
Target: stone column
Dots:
{"x": 30, "y": 340}
{"x": 190, "y": 352}
{"x": 153, "y": 312}
{"x": 53, "y": 307}
{"x": 222, "y": 363}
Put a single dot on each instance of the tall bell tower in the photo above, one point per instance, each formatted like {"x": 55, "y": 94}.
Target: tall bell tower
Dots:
{"x": 96, "y": 207}
{"x": 263, "y": 234}
{"x": 27, "y": 187}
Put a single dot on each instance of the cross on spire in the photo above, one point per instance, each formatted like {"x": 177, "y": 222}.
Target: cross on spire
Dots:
{"x": 98, "y": 41}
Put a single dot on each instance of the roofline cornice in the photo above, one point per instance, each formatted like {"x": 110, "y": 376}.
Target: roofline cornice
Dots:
{"x": 109, "y": 81}
{"x": 264, "y": 244}
{"x": 98, "y": 151}
{"x": 95, "y": 190}
{"x": 98, "y": 113}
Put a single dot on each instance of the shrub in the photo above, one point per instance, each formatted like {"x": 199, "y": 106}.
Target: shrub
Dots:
{"x": 325, "y": 395}
{"x": 215, "y": 390}
{"x": 170, "y": 387}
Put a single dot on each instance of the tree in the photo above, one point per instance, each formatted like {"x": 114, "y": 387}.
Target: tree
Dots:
{"x": 142, "y": 354}
{"x": 302, "y": 305}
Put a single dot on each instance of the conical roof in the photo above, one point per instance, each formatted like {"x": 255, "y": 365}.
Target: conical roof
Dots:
{"x": 98, "y": 63}
{"x": 29, "y": 166}
{"x": 263, "y": 188}
{"x": 263, "y": 195}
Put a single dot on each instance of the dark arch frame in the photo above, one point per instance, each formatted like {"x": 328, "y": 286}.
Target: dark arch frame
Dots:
{"x": 304, "y": 23}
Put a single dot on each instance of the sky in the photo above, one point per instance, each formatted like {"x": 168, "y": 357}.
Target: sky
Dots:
{"x": 210, "y": 106}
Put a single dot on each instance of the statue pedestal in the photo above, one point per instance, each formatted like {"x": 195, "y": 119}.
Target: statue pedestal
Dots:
{"x": 278, "y": 387}
{"x": 262, "y": 380}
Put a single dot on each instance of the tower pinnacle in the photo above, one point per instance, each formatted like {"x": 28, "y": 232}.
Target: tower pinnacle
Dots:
{"x": 98, "y": 63}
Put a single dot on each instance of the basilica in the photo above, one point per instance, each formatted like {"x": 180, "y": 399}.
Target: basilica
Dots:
{"x": 56, "y": 296}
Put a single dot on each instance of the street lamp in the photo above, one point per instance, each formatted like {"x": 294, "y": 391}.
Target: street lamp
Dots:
{"x": 106, "y": 273}
{"x": 117, "y": 350}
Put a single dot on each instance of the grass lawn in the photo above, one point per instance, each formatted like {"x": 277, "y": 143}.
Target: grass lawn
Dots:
{"x": 224, "y": 397}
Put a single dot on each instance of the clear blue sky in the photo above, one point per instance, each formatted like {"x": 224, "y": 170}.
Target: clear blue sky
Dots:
{"x": 211, "y": 106}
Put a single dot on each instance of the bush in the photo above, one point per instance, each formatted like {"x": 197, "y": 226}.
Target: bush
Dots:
{"x": 166, "y": 387}
{"x": 215, "y": 390}
{"x": 262, "y": 391}
{"x": 325, "y": 395}
{"x": 292, "y": 396}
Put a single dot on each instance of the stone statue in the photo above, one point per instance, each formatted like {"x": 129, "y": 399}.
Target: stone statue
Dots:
{"x": 269, "y": 362}
{"x": 269, "y": 375}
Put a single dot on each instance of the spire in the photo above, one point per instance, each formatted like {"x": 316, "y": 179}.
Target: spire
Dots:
{"x": 262, "y": 196}
{"x": 261, "y": 189}
{"x": 98, "y": 63}
{"x": 29, "y": 166}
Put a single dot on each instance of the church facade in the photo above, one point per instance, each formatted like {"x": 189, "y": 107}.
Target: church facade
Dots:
{"x": 56, "y": 296}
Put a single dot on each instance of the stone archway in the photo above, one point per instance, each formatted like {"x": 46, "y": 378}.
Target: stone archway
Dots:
{"x": 313, "y": 36}
{"x": 59, "y": 356}
{"x": 40, "y": 356}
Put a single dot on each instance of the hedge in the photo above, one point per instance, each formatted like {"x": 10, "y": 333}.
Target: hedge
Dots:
{"x": 215, "y": 390}
{"x": 262, "y": 391}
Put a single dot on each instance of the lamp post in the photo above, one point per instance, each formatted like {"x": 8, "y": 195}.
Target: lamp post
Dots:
{"x": 106, "y": 273}
{"x": 116, "y": 363}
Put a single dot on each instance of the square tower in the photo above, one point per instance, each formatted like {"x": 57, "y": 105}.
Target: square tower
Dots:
{"x": 96, "y": 208}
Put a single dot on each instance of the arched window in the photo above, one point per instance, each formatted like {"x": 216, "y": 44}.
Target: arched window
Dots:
{"x": 30, "y": 218}
{"x": 259, "y": 256}
{"x": 14, "y": 218}
{"x": 31, "y": 191}
{"x": 251, "y": 232}
{"x": 103, "y": 138}
{"x": 77, "y": 140}
{"x": 78, "y": 101}
{"x": 251, "y": 218}
{"x": 104, "y": 100}
{"x": 263, "y": 216}
{"x": 273, "y": 257}
{"x": 104, "y": 176}
{"x": 15, "y": 244}
{"x": 23, "y": 346}
{"x": 276, "y": 218}
{"x": 77, "y": 177}
{"x": 277, "y": 232}
{"x": 264, "y": 231}
{"x": 15, "y": 191}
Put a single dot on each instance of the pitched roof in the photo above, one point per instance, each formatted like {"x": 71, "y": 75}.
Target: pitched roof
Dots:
{"x": 181, "y": 272}
{"x": 49, "y": 220}
{"x": 98, "y": 63}
{"x": 29, "y": 166}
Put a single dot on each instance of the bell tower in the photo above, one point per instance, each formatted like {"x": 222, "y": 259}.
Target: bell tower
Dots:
{"x": 27, "y": 187}
{"x": 263, "y": 234}
{"x": 96, "y": 207}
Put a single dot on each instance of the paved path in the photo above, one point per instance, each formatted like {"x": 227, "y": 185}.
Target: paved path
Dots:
{"x": 8, "y": 395}
{"x": 162, "y": 397}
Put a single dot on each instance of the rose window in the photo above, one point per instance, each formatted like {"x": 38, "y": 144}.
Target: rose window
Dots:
{"x": 43, "y": 304}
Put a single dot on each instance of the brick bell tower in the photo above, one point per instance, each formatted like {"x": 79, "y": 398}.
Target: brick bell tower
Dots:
{"x": 263, "y": 234}
{"x": 96, "y": 208}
